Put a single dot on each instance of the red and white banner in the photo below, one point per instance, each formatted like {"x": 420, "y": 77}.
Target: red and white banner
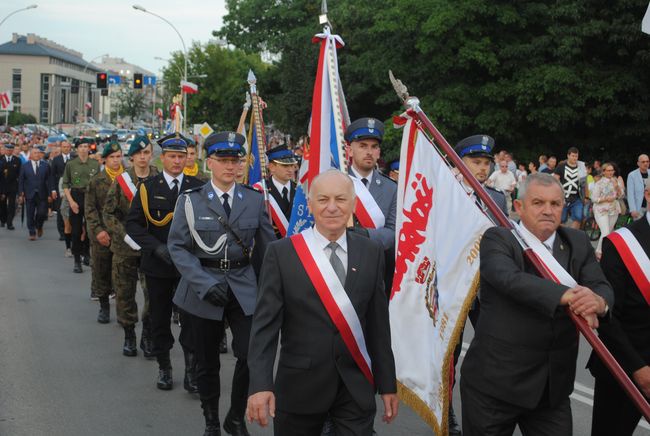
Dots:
{"x": 6, "y": 104}
{"x": 189, "y": 87}
{"x": 367, "y": 210}
{"x": 334, "y": 298}
{"x": 635, "y": 259}
{"x": 439, "y": 229}
{"x": 127, "y": 185}
{"x": 278, "y": 217}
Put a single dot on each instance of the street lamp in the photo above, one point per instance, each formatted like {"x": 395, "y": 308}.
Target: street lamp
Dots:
{"x": 158, "y": 58}
{"x": 16, "y": 11}
{"x": 142, "y": 9}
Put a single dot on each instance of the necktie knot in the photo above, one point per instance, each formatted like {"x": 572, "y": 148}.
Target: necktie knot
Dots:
{"x": 226, "y": 205}
{"x": 365, "y": 182}
{"x": 285, "y": 194}
{"x": 333, "y": 246}
{"x": 336, "y": 262}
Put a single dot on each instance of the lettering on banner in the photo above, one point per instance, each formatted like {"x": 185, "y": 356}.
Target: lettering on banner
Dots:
{"x": 412, "y": 234}
{"x": 474, "y": 251}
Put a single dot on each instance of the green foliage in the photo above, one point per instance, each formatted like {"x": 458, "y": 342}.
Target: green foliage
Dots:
{"x": 130, "y": 102}
{"x": 19, "y": 118}
{"x": 538, "y": 75}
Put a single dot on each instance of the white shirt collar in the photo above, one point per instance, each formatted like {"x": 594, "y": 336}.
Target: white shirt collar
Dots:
{"x": 219, "y": 192}
{"x": 359, "y": 176}
{"x": 323, "y": 242}
{"x": 170, "y": 180}
{"x": 279, "y": 186}
{"x": 549, "y": 242}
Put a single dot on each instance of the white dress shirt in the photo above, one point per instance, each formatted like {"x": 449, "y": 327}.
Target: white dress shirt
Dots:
{"x": 170, "y": 180}
{"x": 66, "y": 157}
{"x": 548, "y": 243}
{"x": 279, "y": 186}
{"x": 359, "y": 176}
{"x": 341, "y": 252}
{"x": 219, "y": 192}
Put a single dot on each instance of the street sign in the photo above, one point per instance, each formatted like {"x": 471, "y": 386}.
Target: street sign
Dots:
{"x": 149, "y": 80}
{"x": 205, "y": 130}
{"x": 5, "y": 101}
{"x": 114, "y": 80}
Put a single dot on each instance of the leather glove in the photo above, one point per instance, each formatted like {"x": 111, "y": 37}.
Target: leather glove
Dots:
{"x": 359, "y": 231}
{"x": 162, "y": 253}
{"x": 217, "y": 295}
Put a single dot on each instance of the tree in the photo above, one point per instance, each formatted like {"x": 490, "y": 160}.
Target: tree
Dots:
{"x": 18, "y": 118}
{"x": 130, "y": 102}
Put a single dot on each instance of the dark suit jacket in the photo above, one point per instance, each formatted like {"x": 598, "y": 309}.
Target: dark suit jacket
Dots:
{"x": 525, "y": 341}
{"x": 149, "y": 236}
{"x": 9, "y": 173}
{"x": 277, "y": 195}
{"x": 30, "y": 184}
{"x": 627, "y": 336}
{"x": 57, "y": 167}
{"x": 313, "y": 357}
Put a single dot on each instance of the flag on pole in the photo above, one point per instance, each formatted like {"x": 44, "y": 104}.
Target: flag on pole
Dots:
{"x": 436, "y": 275}
{"x": 254, "y": 166}
{"x": 189, "y": 87}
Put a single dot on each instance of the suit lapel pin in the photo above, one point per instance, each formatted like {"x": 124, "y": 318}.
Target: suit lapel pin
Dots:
{"x": 378, "y": 182}
{"x": 239, "y": 195}
{"x": 354, "y": 269}
{"x": 561, "y": 246}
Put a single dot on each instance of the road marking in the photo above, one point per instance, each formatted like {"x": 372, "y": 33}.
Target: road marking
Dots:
{"x": 588, "y": 399}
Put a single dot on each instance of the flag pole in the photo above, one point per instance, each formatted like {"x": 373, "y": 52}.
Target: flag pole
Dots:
{"x": 412, "y": 105}
{"x": 240, "y": 129}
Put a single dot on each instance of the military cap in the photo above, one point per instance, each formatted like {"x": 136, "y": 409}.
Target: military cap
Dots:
{"x": 174, "y": 142}
{"x": 80, "y": 141}
{"x": 281, "y": 155}
{"x": 110, "y": 148}
{"x": 39, "y": 147}
{"x": 394, "y": 165}
{"x": 225, "y": 144}
{"x": 365, "y": 128}
{"x": 475, "y": 146}
{"x": 139, "y": 143}
{"x": 9, "y": 145}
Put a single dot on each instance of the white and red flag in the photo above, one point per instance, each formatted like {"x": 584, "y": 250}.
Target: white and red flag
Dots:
{"x": 189, "y": 87}
{"x": 439, "y": 229}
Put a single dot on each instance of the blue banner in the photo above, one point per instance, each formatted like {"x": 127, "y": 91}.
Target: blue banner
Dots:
{"x": 301, "y": 219}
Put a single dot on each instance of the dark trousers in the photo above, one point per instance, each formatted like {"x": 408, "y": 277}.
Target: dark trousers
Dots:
{"x": 207, "y": 335}
{"x": 484, "y": 415}
{"x": 59, "y": 219}
{"x": 79, "y": 247}
{"x": 8, "y": 208}
{"x": 36, "y": 209}
{"x": 348, "y": 418}
{"x": 161, "y": 291}
{"x": 613, "y": 413}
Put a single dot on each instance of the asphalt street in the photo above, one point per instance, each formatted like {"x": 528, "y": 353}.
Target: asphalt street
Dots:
{"x": 62, "y": 373}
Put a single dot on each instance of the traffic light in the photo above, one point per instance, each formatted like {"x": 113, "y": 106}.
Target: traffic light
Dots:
{"x": 101, "y": 81}
{"x": 104, "y": 92}
{"x": 137, "y": 81}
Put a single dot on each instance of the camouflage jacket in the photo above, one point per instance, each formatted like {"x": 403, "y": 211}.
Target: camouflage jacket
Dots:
{"x": 95, "y": 199}
{"x": 116, "y": 208}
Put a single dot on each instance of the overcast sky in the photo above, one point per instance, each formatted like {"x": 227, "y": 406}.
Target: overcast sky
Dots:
{"x": 97, "y": 27}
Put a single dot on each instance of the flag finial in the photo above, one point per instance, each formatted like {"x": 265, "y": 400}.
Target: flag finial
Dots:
{"x": 251, "y": 78}
{"x": 322, "y": 18}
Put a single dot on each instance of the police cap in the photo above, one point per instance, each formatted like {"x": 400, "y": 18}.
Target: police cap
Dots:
{"x": 365, "y": 128}
{"x": 281, "y": 155}
{"x": 475, "y": 146}
{"x": 174, "y": 142}
{"x": 229, "y": 144}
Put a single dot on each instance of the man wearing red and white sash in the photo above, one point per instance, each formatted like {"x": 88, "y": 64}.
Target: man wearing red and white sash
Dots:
{"x": 281, "y": 186}
{"x": 376, "y": 194}
{"x": 626, "y": 264}
{"x": 323, "y": 290}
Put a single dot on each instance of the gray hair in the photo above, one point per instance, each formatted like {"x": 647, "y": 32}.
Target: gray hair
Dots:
{"x": 332, "y": 173}
{"x": 539, "y": 179}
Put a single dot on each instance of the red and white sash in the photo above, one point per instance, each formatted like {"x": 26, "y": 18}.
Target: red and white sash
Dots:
{"x": 278, "y": 217}
{"x": 367, "y": 210}
{"x": 635, "y": 259}
{"x": 334, "y": 298}
{"x": 127, "y": 185}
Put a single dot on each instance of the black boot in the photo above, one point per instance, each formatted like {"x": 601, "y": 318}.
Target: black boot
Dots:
{"x": 189, "y": 382}
{"x": 211, "y": 414}
{"x": 235, "y": 424}
{"x": 130, "y": 342}
{"x": 86, "y": 260}
{"x": 454, "y": 427}
{"x": 223, "y": 346}
{"x": 165, "y": 381}
{"x": 77, "y": 265}
{"x": 146, "y": 345}
{"x": 104, "y": 311}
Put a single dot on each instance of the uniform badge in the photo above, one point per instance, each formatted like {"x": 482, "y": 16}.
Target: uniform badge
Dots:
{"x": 231, "y": 139}
{"x": 377, "y": 182}
{"x": 371, "y": 125}
{"x": 239, "y": 195}
{"x": 142, "y": 144}
{"x": 210, "y": 195}
{"x": 485, "y": 140}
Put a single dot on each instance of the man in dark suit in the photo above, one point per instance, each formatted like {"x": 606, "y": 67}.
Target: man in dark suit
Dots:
{"x": 627, "y": 336}
{"x": 9, "y": 172}
{"x": 282, "y": 166}
{"x": 57, "y": 167}
{"x": 520, "y": 367}
{"x": 34, "y": 188}
{"x": 321, "y": 370}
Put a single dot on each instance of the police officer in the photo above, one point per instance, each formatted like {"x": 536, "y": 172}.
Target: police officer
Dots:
{"x": 126, "y": 258}
{"x": 148, "y": 224}
{"x": 9, "y": 172}
{"x": 364, "y": 136}
{"x": 100, "y": 240}
{"x": 281, "y": 186}
{"x": 393, "y": 170}
{"x": 210, "y": 241}
{"x": 76, "y": 177}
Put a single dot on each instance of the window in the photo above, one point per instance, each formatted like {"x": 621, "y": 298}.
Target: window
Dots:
{"x": 16, "y": 85}
{"x": 45, "y": 98}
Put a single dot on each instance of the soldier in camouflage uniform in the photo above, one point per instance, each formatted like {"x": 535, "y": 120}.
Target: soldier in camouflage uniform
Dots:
{"x": 100, "y": 239}
{"x": 126, "y": 255}
{"x": 193, "y": 165}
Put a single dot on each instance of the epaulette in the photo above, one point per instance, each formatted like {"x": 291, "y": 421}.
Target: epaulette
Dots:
{"x": 386, "y": 177}
{"x": 249, "y": 188}
{"x": 190, "y": 190}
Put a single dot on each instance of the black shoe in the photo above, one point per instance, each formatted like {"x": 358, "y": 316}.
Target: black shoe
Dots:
{"x": 130, "y": 346}
{"x": 10, "y": 227}
{"x": 235, "y": 426}
{"x": 454, "y": 427}
{"x": 86, "y": 260}
{"x": 211, "y": 414}
{"x": 104, "y": 316}
{"x": 189, "y": 381}
{"x": 77, "y": 267}
{"x": 165, "y": 381}
{"x": 146, "y": 345}
{"x": 223, "y": 346}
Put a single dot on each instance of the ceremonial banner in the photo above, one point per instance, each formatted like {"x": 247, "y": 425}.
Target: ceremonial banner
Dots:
{"x": 301, "y": 219}
{"x": 189, "y": 87}
{"x": 254, "y": 167}
{"x": 439, "y": 229}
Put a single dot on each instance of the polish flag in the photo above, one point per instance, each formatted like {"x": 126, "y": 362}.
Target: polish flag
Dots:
{"x": 189, "y": 87}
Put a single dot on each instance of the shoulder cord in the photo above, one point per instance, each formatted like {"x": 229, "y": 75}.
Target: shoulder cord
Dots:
{"x": 217, "y": 247}
{"x": 145, "y": 206}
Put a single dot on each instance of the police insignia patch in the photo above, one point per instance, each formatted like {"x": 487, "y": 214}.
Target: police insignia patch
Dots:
{"x": 210, "y": 195}
{"x": 240, "y": 195}
{"x": 371, "y": 125}
{"x": 485, "y": 140}
{"x": 231, "y": 139}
